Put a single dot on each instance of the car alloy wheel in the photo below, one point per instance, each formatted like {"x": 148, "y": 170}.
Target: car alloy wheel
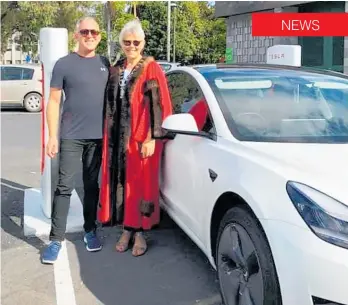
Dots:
{"x": 32, "y": 102}
{"x": 246, "y": 271}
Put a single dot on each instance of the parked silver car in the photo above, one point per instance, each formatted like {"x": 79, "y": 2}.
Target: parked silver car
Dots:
{"x": 21, "y": 87}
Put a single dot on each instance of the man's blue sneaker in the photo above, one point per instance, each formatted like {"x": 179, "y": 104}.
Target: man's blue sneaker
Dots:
{"x": 92, "y": 242}
{"x": 50, "y": 254}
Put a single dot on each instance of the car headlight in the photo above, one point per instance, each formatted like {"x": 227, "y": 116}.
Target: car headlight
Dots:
{"x": 325, "y": 216}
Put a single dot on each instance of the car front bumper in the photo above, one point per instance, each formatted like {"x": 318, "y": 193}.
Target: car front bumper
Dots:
{"x": 308, "y": 268}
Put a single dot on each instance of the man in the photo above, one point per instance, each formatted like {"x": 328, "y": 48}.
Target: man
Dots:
{"x": 82, "y": 75}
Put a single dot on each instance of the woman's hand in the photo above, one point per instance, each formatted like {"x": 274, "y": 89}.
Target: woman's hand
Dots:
{"x": 148, "y": 148}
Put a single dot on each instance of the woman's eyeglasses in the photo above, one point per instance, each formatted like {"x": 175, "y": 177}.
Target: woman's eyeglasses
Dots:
{"x": 85, "y": 32}
{"x": 128, "y": 43}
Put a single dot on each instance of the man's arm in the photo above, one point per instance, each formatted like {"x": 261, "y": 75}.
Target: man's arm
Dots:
{"x": 53, "y": 111}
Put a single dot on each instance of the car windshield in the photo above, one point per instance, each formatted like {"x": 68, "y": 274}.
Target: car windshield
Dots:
{"x": 282, "y": 105}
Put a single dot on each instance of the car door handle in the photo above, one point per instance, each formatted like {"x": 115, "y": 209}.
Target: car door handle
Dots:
{"x": 24, "y": 84}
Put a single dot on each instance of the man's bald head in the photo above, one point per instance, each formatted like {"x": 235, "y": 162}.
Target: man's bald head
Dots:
{"x": 87, "y": 35}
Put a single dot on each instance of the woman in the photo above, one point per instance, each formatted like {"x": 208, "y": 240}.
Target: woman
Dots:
{"x": 137, "y": 102}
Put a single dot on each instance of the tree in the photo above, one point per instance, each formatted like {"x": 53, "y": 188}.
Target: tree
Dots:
{"x": 7, "y": 7}
{"x": 120, "y": 14}
{"x": 212, "y": 41}
{"x": 199, "y": 36}
{"x": 8, "y": 21}
{"x": 153, "y": 16}
{"x": 28, "y": 17}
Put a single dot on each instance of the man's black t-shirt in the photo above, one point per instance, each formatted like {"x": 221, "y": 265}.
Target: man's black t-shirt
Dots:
{"x": 83, "y": 80}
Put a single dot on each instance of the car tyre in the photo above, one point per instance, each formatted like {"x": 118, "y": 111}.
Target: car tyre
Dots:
{"x": 245, "y": 266}
{"x": 33, "y": 102}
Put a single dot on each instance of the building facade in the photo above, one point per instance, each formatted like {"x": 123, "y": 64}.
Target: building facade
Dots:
{"x": 320, "y": 52}
{"x": 14, "y": 53}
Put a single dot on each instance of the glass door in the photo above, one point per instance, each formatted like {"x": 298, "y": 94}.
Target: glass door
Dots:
{"x": 323, "y": 52}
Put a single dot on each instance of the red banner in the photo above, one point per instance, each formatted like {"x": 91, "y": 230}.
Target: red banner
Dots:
{"x": 299, "y": 24}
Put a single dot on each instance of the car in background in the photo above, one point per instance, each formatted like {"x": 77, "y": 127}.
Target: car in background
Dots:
{"x": 167, "y": 66}
{"x": 255, "y": 172}
{"x": 21, "y": 87}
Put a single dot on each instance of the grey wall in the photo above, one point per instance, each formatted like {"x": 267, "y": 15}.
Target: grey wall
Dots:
{"x": 249, "y": 49}
{"x": 346, "y": 48}
{"x": 231, "y": 8}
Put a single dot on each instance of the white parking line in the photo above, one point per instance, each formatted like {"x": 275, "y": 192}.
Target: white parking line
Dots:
{"x": 65, "y": 294}
{"x": 19, "y": 113}
{"x": 13, "y": 187}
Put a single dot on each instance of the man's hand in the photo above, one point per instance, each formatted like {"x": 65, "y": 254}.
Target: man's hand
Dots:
{"x": 52, "y": 147}
{"x": 148, "y": 148}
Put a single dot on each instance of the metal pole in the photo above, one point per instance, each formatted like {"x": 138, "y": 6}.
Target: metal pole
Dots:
{"x": 168, "y": 33}
{"x": 174, "y": 34}
{"x": 108, "y": 27}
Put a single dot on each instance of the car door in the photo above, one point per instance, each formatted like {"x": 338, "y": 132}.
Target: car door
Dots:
{"x": 185, "y": 166}
{"x": 31, "y": 83}
{"x": 13, "y": 87}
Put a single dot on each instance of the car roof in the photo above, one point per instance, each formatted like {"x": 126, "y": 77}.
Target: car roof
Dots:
{"x": 168, "y": 62}
{"x": 32, "y": 66}
{"x": 209, "y": 68}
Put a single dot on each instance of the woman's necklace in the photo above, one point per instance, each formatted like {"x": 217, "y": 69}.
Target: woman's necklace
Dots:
{"x": 124, "y": 80}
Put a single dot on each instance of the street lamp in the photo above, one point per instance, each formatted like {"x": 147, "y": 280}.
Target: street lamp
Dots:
{"x": 108, "y": 25}
{"x": 170, "y": 5}
{"x": 168, "y": 32}
{"x": 174, "y": 28}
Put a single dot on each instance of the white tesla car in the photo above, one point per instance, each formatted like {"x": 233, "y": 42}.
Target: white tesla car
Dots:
{"x": 256, "y": 173}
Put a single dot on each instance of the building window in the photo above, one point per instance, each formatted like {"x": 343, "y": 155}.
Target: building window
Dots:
{"x": 323, "y": 52}
{"x": 338, "y": 51}
{"x": 316, "y": 56}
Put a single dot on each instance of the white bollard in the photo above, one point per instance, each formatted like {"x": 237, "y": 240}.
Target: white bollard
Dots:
{"x": 53, "y": 45}
{"x": 287, "y": 55}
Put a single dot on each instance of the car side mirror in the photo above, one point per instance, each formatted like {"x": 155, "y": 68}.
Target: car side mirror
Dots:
{"x": 182, "y": 123}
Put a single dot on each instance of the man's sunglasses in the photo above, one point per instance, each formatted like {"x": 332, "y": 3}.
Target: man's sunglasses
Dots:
{"x": 86, "y": 32}
{"x": 128, "y": 43}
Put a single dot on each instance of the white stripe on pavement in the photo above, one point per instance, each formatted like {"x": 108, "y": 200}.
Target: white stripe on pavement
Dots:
{"x": 13, "y": 187}
{"x": 65, "y": 294}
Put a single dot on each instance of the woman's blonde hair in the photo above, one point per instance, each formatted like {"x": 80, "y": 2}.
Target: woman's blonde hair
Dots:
{"x": 132, "y": 27}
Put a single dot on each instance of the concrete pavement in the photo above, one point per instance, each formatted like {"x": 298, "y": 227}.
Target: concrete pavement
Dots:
{"x": 174, "y": 271}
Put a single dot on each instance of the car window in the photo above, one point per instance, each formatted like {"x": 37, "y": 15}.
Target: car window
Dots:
{"x": 2, "y": 73}
{"x": 12, "y": 73}
{"x": 283, "y": 106}
{"x": 27, "y": 73}
{"x": 187, "y": 97}
{"x": 165, "y": 67}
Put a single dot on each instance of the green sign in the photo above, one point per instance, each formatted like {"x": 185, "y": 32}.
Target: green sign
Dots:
{"x": 229, "y": 56}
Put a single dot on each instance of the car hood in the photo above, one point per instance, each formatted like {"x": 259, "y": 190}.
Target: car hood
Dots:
{"x": 321, "y": 166}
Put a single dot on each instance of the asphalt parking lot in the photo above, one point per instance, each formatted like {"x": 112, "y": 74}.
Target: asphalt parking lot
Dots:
{"x": 174, "y": 271}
